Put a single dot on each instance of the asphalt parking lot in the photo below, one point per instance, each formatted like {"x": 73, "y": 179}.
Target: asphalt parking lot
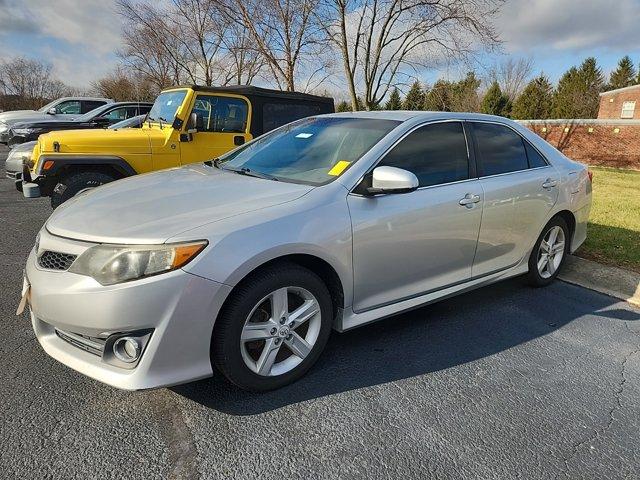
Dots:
{"x": 503, "y": 382}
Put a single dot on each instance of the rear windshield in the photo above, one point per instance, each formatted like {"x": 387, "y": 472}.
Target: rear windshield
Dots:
{"x": 312, "y": 151}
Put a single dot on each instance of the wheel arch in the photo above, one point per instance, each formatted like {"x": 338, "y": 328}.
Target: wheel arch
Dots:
{"x": 321, "y": 267}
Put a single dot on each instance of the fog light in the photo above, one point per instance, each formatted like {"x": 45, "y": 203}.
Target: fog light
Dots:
{"x": 126, "y": 349}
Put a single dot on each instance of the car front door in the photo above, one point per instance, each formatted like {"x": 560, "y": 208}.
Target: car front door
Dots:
{"x": 519, "y": 191}
{"x": 405, "y": 245}
{"x": 223, "y": 124}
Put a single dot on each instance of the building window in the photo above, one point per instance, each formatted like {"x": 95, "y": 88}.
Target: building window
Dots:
{"x": 628, "y": 109}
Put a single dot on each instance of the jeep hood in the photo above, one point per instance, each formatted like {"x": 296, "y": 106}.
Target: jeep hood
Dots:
{"x": 154, "y": 207}
{"x": 98, "y": 141}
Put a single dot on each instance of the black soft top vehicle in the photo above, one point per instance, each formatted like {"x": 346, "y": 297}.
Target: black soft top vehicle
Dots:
{"x": 100, "y": 117}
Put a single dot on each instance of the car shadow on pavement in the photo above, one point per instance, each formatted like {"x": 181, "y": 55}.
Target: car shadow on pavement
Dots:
{"x": 436, "y": 337}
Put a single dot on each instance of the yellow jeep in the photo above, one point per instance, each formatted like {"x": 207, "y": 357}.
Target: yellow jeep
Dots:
{"x": 185, "y": 125}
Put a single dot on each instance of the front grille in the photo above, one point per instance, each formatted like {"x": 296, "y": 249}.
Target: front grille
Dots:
{"x": 56, "y": 260}
{"x": 89, "y": 344}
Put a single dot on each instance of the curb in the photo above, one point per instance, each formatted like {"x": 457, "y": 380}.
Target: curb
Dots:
{"x": 612, "y": 281}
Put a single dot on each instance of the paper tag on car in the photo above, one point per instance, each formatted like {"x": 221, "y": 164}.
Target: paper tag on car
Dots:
{"x": 338, "y": 168}
{"x": 304, "y": 135}
{"x": 26, "y": 291}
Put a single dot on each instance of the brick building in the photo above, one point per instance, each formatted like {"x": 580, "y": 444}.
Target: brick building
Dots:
{"x": 622, "y": 103}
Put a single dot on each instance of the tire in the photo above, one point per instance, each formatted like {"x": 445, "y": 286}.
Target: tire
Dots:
{"x": 252, "y": 303}
{"x": 541, "y": 277}
{"x": 73, "y": 183}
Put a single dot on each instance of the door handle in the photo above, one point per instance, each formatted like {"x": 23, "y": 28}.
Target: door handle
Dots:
{"x": 469, "y": 199}
{"x": 549, "y": 183}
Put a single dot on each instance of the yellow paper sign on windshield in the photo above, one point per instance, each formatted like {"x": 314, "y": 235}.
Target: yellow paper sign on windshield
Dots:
{"x": 338, "y": 168}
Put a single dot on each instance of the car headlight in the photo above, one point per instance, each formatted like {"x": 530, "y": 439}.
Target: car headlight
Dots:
{"x": 22, "y": 153}
{"x": 3, "y": 127}
{"x": 23, "y": 132}
{"x": 111, "y": 264}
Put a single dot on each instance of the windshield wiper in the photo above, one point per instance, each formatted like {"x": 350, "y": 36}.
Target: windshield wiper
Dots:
{"x": 250, "y": 173}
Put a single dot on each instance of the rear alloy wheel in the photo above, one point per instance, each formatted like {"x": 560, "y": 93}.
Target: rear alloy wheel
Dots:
{"x": 273, "y": 328}
{"x": 549, "y": 253}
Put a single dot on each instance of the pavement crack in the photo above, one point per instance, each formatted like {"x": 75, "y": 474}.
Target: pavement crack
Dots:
{"x": 617, "y": 405}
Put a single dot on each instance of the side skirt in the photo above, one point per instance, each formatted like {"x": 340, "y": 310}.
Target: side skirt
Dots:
{"x": 348, "y": 319}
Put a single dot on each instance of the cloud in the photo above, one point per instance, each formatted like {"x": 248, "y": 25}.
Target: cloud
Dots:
{"x": 528, "y": 25}
{"x": 78, "y": 37}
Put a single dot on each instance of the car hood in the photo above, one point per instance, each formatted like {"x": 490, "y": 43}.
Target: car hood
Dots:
{"x": 52, "y": 123}
{"x": 154, "y": 207}
{"x": 31, "y": 116}
{"x": 97, "y": 141}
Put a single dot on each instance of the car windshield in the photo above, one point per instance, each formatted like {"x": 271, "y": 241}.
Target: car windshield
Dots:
{"x": 312, "y": 151}
{"x": 165, "y": 106}
{"x": 48, "y": 106}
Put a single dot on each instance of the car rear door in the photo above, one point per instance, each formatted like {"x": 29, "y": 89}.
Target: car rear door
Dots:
{"x": 405, "y": 245}
{"x": 520, "y": 188}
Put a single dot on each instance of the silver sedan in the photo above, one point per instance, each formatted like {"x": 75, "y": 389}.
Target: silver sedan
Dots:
{"x": 248, "y": 262}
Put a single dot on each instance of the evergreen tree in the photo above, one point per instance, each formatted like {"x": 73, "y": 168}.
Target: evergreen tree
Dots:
{"x": 624, "y": 75}
{"x": 415, "y": 97}
{"x": 394, "y": 102}
{"x": 439, "y": 97}
{"x": 495, "y": 102}
{"x": 577, "y": 95}
{"x": 465, "y": 96}
{"x": 343, "y": 106}
{"x": 535, "y": 101}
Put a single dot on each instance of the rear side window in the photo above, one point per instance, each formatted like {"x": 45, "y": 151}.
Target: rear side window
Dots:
{"x": 275, "y": 115}
{"x": 501, "y": 150}
{"x": 434, "y": 153}
{"x": 88, "y": 105}
{"x": 535, "y": 159}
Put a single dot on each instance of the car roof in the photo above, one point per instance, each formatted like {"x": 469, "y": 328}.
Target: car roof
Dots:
{"x": 251, "y": 91}
{"x": 404, "y": 115}
{"x": 97, "y": 99}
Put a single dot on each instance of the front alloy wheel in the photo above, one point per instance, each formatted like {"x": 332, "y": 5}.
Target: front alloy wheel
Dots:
{"x": 272, "y": 328}
{"x": 281, "y": 331}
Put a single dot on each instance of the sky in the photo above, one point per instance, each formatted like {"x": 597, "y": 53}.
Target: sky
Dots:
{"x": 80, "y": 37}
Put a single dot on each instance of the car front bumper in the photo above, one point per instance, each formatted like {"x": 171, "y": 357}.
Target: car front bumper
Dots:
{"x": 179, "y": 309}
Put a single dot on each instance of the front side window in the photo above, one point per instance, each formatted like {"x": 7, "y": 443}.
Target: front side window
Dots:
{"x": 501, "y": 150}
{"x": 434, "y": 153}
{"x": 165, "y": 107}
{"x": 117, "y": 114}
{"x": 221, "y": 114}
{"x": 312, "y": 151}
{"x": 70, "y": 107}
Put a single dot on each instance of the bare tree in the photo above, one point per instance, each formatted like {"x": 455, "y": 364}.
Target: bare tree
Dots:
{"x": 512, "y": 75}
{"x": 122, "y": 85}
{"x": 382, "y": 40}
{"x": 283, "y": 31}
{"x": 29, "y": 82}
{"x": 242, "y": 63}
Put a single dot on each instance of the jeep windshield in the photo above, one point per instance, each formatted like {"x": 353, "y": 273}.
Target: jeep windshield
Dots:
{"x": 312, "y": 151}
{"x": 165, "y": 107}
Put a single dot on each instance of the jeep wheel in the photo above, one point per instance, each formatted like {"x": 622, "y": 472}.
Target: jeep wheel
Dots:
{"x": 74, "y": 183}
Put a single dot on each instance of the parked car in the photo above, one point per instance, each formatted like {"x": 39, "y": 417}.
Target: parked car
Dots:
{"x": 100, "y": 117}
{"x": 133, "y": 122}
{"x": 64, "y": 108}
{"x": 245, "y": 264}
{"x": 185, "y": 125}
{"x": 21, "y": 154}
{"x": 17, "y": 158}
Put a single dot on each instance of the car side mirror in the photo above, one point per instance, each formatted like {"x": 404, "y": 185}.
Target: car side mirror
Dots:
{"x": 392, "y": 180}
{"x": 52, "y": 111}
{"x": 195, "y": 123}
